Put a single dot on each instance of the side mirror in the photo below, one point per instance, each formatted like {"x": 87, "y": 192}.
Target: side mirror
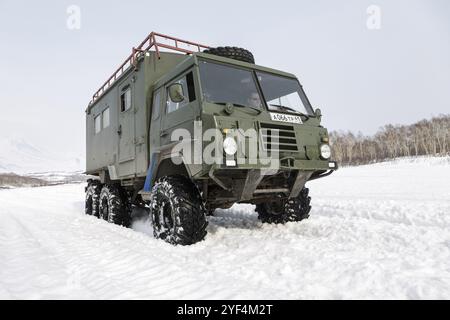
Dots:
{"x": 176, "y": 93}
{"x": 318, "y": 113}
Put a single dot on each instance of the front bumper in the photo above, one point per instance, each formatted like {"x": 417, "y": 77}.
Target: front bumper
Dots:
{"x": 244, "y": 181}
{"x": 284, "y": 165}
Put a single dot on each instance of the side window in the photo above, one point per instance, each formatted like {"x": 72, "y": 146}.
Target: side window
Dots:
{"x": 189, "y": 92}
{"x": 156, "y": 106}
{"x": 105, "y": 118}
{"x": 125, "y": 99}
{"x": 98, "y": 123}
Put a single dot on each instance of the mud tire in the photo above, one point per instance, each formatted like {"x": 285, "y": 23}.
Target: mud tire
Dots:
{"x": 114, "y": 206}
{"x": 178, "y": 212}
{"x": 235, "y": 53}
{"x": 92, "y": 200}
{"x": 283, "y": 211}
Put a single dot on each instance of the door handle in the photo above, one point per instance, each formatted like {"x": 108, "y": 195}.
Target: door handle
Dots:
{"x": 164, "y": 133}
{"x": 119, "y": 132}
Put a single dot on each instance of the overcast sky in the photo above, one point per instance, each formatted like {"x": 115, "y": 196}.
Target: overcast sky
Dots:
{"x": 361, "y": 78}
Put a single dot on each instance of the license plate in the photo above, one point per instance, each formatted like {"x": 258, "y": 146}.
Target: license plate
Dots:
{"x": 286, "y": 118}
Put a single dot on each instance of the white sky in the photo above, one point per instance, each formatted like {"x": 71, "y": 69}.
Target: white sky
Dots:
{"x": 360, "y": 78}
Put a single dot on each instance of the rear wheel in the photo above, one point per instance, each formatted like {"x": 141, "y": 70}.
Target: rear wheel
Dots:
{"x": 178, "y": 212}
{"x": 281, "y": 211}
{"x": 114, "y": 206}
{"x": 93, "y": 198}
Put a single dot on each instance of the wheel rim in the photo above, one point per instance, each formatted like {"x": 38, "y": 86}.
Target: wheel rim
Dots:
{"x": 276, "y": 207}
{"x": 165, "y": 216}
{"x": 89, "y": 205}
{"x": 104, "y": 212}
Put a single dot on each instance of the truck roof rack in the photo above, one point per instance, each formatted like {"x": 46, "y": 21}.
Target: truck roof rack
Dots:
{"x": 153, "y": 40}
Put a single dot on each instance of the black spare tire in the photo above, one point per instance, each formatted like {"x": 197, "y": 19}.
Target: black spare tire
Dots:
{"x": 235, "y": 53}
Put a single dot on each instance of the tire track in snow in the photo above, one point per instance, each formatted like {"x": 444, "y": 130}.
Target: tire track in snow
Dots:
{"x": 118, "y": 254}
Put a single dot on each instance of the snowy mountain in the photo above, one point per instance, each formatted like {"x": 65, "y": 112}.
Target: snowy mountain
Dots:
{"x": 19, "y": 156}
{"x": 12, "y": 180}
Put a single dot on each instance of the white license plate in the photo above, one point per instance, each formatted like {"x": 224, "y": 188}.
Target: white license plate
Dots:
{"x": 286, "y": 118}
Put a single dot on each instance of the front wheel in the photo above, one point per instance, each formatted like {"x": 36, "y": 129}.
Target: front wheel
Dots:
{"x": 178, "y": 212}
{"x": 281, "y": 211}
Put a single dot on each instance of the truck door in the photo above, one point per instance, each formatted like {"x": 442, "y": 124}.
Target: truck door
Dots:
{"x": 181, "y": 114}
{"x": 127, "y": 150}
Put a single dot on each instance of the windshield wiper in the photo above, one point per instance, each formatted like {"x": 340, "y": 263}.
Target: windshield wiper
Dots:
{"x": 290, "y": 109}
{"x": 240, "y": 106}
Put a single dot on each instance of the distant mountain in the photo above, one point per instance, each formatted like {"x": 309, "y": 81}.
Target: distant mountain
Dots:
{"x": 12, "y": 180}
{"x": 19, "y": 156}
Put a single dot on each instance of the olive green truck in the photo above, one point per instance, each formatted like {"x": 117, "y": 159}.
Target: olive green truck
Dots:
{"x": 182, "y": 129}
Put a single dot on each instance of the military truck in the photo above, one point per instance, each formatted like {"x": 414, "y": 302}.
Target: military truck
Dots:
{"x": 170, "y": 85}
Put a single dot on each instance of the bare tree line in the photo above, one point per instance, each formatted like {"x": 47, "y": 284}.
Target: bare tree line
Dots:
{"x": 426, "y": 137}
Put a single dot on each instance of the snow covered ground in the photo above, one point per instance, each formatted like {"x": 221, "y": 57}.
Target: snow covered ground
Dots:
{"x": 377, "y": 231}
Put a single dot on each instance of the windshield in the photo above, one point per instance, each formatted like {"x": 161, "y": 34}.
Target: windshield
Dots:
{"x": 284, "y": 94}
{"x": 224, "y": 84}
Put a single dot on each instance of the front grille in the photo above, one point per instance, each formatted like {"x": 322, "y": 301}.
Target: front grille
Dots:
{"x": 277, "y": 137}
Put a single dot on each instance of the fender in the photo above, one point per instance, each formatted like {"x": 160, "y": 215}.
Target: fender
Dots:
{"x": 151, "y": 172}
{"x": 158, "y": 162}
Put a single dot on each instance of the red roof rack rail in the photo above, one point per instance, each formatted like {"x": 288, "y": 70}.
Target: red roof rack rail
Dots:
{"x": 153, "y": 40}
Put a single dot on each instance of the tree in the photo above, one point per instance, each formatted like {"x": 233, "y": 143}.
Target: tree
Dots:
{"x": 426, "y": 137}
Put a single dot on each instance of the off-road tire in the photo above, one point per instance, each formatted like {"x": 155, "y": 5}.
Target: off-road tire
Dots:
{"x": 292, "y": 210}
{"x": 178, "y": 212}
{"x": 114, "y": 206}
{"x": 92, "y": 202}
{"x": 235, "y": 53}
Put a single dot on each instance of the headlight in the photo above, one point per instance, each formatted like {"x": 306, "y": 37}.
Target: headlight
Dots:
{"x": 230, "y": 146}
{"x": 325, "y": 151}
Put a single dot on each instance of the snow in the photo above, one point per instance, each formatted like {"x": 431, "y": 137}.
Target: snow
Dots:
{"x": 376, "y": 231}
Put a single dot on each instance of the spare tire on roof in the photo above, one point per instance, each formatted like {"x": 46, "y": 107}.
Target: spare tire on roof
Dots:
{"x": 235, "y": 53}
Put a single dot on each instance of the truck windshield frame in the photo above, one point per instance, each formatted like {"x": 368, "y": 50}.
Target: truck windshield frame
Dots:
{"x": 284, "y": 94}
{"x": 223, "y": 83}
